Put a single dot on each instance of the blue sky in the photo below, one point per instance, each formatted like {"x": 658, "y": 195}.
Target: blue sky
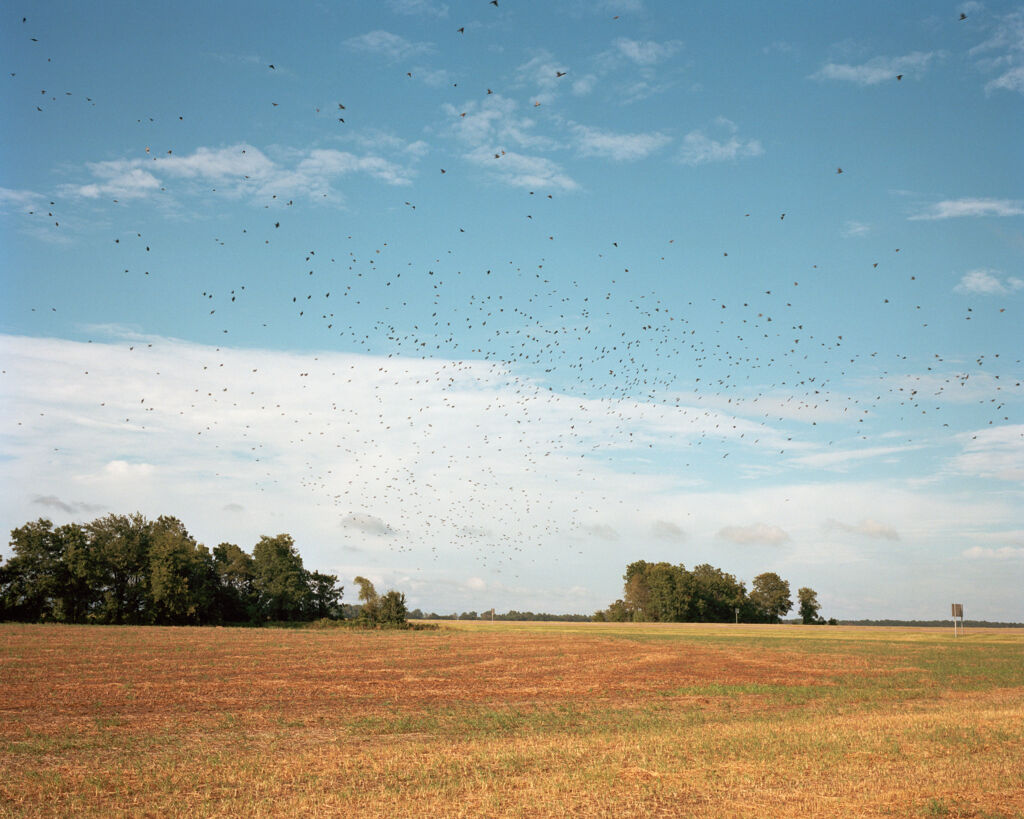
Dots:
{"x": 485, "y": 302}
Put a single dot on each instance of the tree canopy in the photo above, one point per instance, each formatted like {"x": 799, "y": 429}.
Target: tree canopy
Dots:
{"x": 662, "y": 592}
{"x": 125, "y": 569}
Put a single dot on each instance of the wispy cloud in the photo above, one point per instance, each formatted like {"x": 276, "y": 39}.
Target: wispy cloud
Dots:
{"x": 20, "y": 200}
{"x": 390, "y": 46}
{"x": 523, "y": 171}
{"x": 756, "y": 533}
{"x": 971, "y": 206}
{"x": 117, "y": 179}
{"x": 619, "y": 147}
{"x": 602, "y": 531}
{"x": 367, "y": 524}
{"x": 878, "y": 69}
{"x": 1003, "y": 54}
{"x": 545, "y": 75}
{"x": 995, "y": 553}
{"x": 647, "y": 52}
{"x": 853, "y": 229}
{"x": 867, "y": 527}
{"x": 842, "y": 459}
{"x": 496, "y": 123}
{"x": 490, "y": 128}
{"x": 70, "y": 508}
{"x": 418, "y": 8}
{"x": 700, "y": 149}
{"x": 668, "y": 531}
{"x": 240, "y": 170}
{"x": 993, "y": 453}
{"x": 988, "y": 282}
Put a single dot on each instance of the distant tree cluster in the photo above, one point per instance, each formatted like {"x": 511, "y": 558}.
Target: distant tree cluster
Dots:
{"x": 512, "y": 614}
{"x": 663, "y": 593}
{"x": 376, "y": 610}
{"x": 126, "y": 569}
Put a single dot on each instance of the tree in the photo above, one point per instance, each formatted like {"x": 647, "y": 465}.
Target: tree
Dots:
{"x": 809, "y": 605}
{"x": 770, "y": 597}
{"x": 392, "y": 609}
{"x": 657, "y": 591}
{"x": 120, "y": 550}
{"x": 716, "y": 595}
{"x": 182, "y": 576}
{"x": 236, "y": 590}
{"x": 324, "y": 595}
{"x": 279, "y": 579}
{"x": 368, "y": 596}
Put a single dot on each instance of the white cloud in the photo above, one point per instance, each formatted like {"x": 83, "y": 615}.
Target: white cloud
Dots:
{"x": 852, "y": 228}
{"x": 997, "y": 452}
{"x": 840, "y": 459}
{"x": 419, "y": 8}
{"x": 581, "y": 86}
{"x": 757, "y": 533}
{"x": 700, "y": 149}
{"x": 1003, "y": 53}
{"x": 476, "y": 584}
{"x": 971, "y": 206}
{"x": 867, "y": 527}
{"x": 619, "y": 147}
{"x": 878, "y": 69}
{"x": 988, "y": 282}
{"x": 392, "y": 47}
{"x": 995, "y": 553}
{"x": 668, "y": 531}
{"x": 542, "y": 73}
{"x": 601, "y": 530}
{"x": 118, "y": 179}
{"x": 647, "y": 52}
{"x": 240, "y": 170}
{"x": 495, "y": 124}
{"x": 20, "y": 200}
{"x": 523, "y": 171}
{"x": 366, "y": 524}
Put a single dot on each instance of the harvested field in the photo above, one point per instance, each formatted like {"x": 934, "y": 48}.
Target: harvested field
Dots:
{"x": 511, "y": 720}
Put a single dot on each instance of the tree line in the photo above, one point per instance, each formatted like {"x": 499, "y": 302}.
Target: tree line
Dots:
{"x": 664, "y": 593}
{"x": 125, "y": 569}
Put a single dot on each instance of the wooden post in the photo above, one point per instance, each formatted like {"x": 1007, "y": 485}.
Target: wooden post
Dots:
{"x": 958, "y": 611}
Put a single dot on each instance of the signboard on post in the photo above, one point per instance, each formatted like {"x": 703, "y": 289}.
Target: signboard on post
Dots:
{"x": 958, "y": 611}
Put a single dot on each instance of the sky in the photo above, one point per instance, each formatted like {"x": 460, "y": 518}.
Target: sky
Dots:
{"x": 485, "y": 301}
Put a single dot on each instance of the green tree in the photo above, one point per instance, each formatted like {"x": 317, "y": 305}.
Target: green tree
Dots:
{"x": 324, "y": 595}
{"x": 770, "y": 597}
{"x": 809, "y": 606}
{"x": 120, "y": 551}
{"x": 31, "y": 583}
{"x": 369, "y": 611}
{"x": 176, "y": 575}
{"x": 279, "y": 579}
{"x": 391, "y": 610}
{"x": 716, "y": 595}
{"x": 236, "y": 584}
{"x": 657, "y": 591}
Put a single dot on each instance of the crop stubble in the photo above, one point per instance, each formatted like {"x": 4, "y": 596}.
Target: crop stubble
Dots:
{"x": 503, "y": 720}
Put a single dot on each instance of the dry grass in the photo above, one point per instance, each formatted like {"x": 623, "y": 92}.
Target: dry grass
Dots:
{"x": 511, "y": 720}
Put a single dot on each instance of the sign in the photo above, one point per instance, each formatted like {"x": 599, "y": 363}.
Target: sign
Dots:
{"x": 958, "y": 610}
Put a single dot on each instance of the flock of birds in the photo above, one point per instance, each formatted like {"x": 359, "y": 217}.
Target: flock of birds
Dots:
{"x": 552, "y": 368}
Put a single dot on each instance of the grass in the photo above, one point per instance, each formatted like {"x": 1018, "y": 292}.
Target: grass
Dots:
{"x": 511, "y": 719}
